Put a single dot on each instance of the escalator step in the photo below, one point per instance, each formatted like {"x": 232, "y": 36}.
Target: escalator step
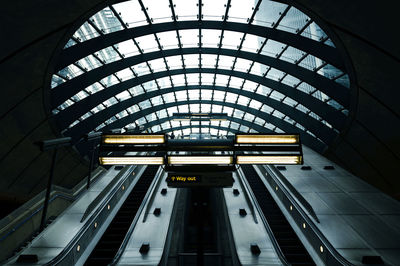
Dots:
{"x": 111, "y": 240}
{"x": 291, "y": 247}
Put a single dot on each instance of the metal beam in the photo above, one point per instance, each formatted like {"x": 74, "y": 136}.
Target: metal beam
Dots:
{"x": 308, "y": 140}
{"x": 307, "y": 121}
{"x": 331, "y": 88}
{"x": 230, "y": 118}
{"x": 334, "y": 117}
{"x": 320, "y": 50}
{"x": 72, "y": 113}
{"x": 325, "y": 134}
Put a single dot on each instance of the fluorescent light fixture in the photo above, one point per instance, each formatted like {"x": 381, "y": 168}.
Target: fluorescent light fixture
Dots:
{"x": 200, "y": 160}
{"x": 267, "y": 139}
{"x": 133, "y": 139}
{"x": 181, "y": 119}
{"x": 131, "y": 160}
{"x": 263, "y": 159}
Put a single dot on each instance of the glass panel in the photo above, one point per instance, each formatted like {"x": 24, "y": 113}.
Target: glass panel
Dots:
{"x": 272, "y": 48}
{"x": 168, "y": 40}
{"x": 211, "y": 38}
{"x": 191, "y": 60}
{"x": 158, "y": 65}
{"x": 293, "y": 21}
{"x": 242, "y": 65}
{"x": 240, "y": 11}
{"x": 158, "y": 11}
{"x": 236, "y": 82}
{"x": 123, "y": 95}
{"x": 124, "y": 74}
{"x": 219, "y": 95}
{"x": 231, "y": 39}
{"x": 147, "y": 43}
{"x": 230, "y": 97}
{"x": 127, "y": 48}
{"x": 258, "y": 69}
{"x": 186, "y": 9}
{"x": 181, "y": 95}
{"x": 269, "y": 13}
{"x": 243, "y": 100}
{"x": 131, "y": 13}
{"x": 106, "y": 21}
{"x": 141, "y": 69}
{"x": 277, "y": 95}
{"x": 214, "y": 9}
{"x": 189, "y": 38}
{"x": 252, "y": 43}
{"x": 290, "y": 80}
{"x": 221, "y": 80}
{"x": 208, "y": 61}
{"x": 207, "y": 79}
{"x": 225, "y": 62}
{"x": 174, "y": 62}
{"x": 255, "y": 104}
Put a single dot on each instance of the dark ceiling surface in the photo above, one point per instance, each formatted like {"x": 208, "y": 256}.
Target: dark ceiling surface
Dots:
{"x": 369, "y": 147}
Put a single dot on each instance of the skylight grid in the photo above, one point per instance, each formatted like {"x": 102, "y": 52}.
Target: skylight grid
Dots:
{"x": 189, "y": 78}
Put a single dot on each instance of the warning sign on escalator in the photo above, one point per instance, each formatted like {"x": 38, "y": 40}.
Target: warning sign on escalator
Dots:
{"x": 220, "y": 179}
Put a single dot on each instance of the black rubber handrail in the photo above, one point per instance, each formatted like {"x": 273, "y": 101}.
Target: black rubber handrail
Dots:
{"x": 294, "y": 192}
{"x": 265, "y": 222}
{"x": 101, "y": 195}
{"x": 59, "y": 258}
{"x": 146, "y": 199}
{"x": 339, "y": 259}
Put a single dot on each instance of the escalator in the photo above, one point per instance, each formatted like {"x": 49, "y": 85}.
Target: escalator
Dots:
{"x": 291, "y": 246}
{"x": 112, "y": 238}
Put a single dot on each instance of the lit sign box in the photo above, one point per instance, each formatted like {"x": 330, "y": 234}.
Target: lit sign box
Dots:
{"x": 204, "y": 179}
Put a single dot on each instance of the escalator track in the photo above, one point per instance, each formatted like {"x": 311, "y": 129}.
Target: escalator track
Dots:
{"x": 291, "y": 246}
{"x": 109, "y": 243}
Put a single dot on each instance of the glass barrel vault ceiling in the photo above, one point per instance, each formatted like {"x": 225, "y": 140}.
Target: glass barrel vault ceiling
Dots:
{"x": 266, "y": 64}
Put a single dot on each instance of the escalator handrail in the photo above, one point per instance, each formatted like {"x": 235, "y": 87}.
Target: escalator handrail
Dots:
{"x": 150, "y": 191}
{"x": 154, "y": 187}
{"x": 294, "y": 192}
{"x": 264, "y": 220}
{"x": 335, "y": 254}
{"x": 246, "y": 196}
{"x": 123, "y": 176}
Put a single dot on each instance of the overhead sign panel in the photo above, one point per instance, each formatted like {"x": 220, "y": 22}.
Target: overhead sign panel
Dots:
{"x": 199, "y": 179}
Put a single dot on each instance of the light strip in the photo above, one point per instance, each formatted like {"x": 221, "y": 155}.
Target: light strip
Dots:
{"x": 258, "y": 159}
{"x": 133, "y": 139}
{"x": 267, "y": 139}
{"x": 131, "y": 160}
{"x": 200, "y": 160}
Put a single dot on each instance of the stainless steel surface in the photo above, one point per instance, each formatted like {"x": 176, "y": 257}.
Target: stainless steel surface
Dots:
{"x": 357, "y": 219}
{"x": 58, "y": 235}
{"x": 153, "y": 230}
{"x": 245, "y": 231}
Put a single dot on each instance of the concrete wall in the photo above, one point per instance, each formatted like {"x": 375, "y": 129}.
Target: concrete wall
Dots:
{"x": 370, "y": 148}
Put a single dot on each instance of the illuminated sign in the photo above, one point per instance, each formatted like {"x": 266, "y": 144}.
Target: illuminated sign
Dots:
{"x": 204, "y": 179}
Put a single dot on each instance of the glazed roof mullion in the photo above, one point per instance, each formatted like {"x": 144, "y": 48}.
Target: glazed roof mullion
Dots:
{"x": 186, "y": 127}
{"x": 287, "y": 127}
{"x": 237, "y": 120}
{"x": 326, "y": 111}
{"x": 81, "y": 50}
{"x": 313, "y": 125}
{"x": 329, "y": 87}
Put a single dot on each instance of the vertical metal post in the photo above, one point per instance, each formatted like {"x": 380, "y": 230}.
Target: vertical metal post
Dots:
{"x": 48, "y": 191}
{"x": 91, "y": 166}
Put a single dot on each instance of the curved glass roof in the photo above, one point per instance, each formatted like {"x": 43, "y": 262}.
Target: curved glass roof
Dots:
{"x": 265, "y": 64}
